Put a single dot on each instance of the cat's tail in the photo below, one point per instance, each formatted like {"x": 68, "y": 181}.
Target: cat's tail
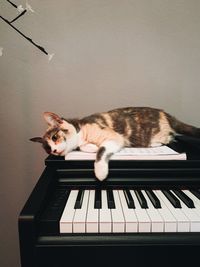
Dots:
{"x": 183, "y": 128}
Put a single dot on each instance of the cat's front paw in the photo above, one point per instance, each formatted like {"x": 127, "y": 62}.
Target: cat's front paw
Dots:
{"x": 101, "y": 170}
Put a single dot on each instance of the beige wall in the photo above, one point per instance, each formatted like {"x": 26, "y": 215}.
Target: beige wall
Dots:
{"x": 108, "y": 53}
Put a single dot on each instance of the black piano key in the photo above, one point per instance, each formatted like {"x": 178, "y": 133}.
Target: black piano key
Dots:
{"x": 110, "y": 199}
{"x": 154, "y": 199}
{"x": 172, "y": 198}
{"x": 49, "y": 220}
{"x": 129, "y": 199}
{"x": 79, "y": 199}
{"x": 141, "y": 199}
{"x": 188, "y": 202}
{"x": 195, "y": 192}
{"x": 97, "y": 200}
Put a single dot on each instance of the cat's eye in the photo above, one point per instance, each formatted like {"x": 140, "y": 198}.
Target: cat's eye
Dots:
{"x": 54, "y": 137}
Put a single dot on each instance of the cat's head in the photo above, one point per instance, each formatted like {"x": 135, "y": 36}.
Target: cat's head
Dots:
{"x": 60, "y": 137}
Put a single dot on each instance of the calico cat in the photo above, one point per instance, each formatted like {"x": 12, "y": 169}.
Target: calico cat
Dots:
{"x": 108, "y": 132}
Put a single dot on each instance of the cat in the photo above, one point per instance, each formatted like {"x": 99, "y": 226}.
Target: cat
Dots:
{"x": 108, "y": 132}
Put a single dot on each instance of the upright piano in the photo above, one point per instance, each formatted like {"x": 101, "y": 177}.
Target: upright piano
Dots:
{"x": 145, "y": 212}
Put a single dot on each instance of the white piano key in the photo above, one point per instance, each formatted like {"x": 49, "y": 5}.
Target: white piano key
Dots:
{"x": 68, "y": 213}
{"x": 118, "y": 223}
{"x": 157, "y": 223}
{"x": 170, "y": 223}
{"x": 131, "y": 221}
{"x": 79, "y": 221}
{"x": 193, "y": 214}
{"x": 105, "y": 219}
{"x": 143, "y": 218}
{"x": 92, "y": 220}
{"x": 183, "y": 223}
{"x": 195, "y": 200}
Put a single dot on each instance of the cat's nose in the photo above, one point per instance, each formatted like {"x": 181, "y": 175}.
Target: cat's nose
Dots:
{"x": 55, "y": 150}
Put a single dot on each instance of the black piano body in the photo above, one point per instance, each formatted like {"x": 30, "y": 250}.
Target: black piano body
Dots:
{"x": 41, "y": 244}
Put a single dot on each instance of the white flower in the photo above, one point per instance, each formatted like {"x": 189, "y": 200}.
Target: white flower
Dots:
{"x": 50, "y": 56}
{"x": 20, "y": 8}
{"x": 29, "y": 8}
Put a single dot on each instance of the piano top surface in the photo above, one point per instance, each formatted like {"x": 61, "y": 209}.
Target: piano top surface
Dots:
{"x": 189, "y": 145}
{"x": 135, "y": 172}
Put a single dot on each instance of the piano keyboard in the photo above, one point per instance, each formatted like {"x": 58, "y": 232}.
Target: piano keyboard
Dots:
{"x": 122, "y": 211}
{"x": 125, "y": 211}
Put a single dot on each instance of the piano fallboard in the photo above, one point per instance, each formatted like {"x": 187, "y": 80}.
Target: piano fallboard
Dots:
{"x": 42, "y": 244}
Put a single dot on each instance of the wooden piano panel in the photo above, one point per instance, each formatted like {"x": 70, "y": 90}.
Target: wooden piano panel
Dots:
{"x": 44, "y": 249}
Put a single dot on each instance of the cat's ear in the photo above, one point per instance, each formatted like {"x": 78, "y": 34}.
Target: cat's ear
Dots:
{"x": 37, "y": 139}
{"x": 52, "y": 119}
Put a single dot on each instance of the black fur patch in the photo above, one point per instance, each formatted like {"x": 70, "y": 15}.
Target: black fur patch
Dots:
{"x": 144, "y": 122}
{"x": 75, "y": 123}
{"x": 46, "y": 147}
{"x": 95, "y": 118}
{"x": 100, "y": 153}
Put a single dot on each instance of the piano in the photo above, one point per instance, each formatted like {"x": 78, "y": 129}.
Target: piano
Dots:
{"x": 145, "y": 212}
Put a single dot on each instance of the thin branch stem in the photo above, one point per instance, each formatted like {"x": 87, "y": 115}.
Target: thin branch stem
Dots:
{"x": 26, "y": 37}
{"x": 21, "y": 14}
{"x": 11, "y": 3}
